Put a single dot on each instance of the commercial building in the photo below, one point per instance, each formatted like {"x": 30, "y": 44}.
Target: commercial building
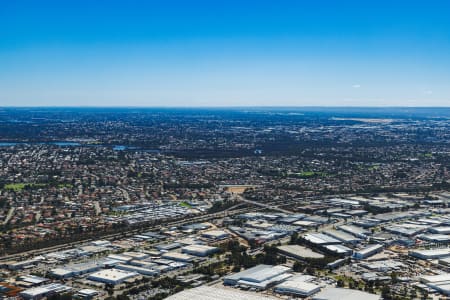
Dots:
{"x": 87, "y": 294}
{"x": 339, "y": 250}
{"x": 343, "y": 236}
{"x": 368, "y": 251}
{"x": 297, "y": 286}
{"x": 199, "y": 250}
{"x": 320, "y": 239}
{"x": 177, "y": 256}
{"x": 74, "y": 270}
{"x": 215, "y": 234}
{"x": 30, "y": 280}
{"x": 341, "y": 294}
{"x": 136, "y": 269}
{"x": 260, "y": 277}
{"x": 440, "y": 230}
{"x": 136, "y": 255}
{"x": 435, "y": 238}
{"x": 18, "y": 265}
{"x": 119, "y": 257}
{"x": 431, "y": 253}
{"x": 111, "y": 276}
{"x": 168, "y": 247}
{"x": 298, "y": 252}
{"x": 355, "y": 230}
{"x": 440, "y": 283}
{"x": 210, "y": 292}
{"x": 44, "y": 291}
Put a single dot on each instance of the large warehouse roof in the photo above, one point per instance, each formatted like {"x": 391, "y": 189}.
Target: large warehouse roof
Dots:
{"x": 299, "y": 251}
{"x": 344, "y": 294}
{"x": 209, "y": 292}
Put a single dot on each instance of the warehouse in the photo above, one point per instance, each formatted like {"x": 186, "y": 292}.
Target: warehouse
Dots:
{"x": 384, "y": 265}
{"x": 111, "y": 276}
{"x": 44, "y": 291}
{"x": 102, "y": 243}
{"x": 14, "y": 265}
{"x": 339, "y": 250}
{"x": 430, "y": 254}
{"x": 342, "y": 236}
{"x": 368, "y": 251}
{"x": 86, "y": 294}
{"x": 209, "y": 292}
{"x": 332, "y": 293}
{"x": 440, "y": 230}
{"x": 440, "y": 283}
{"x": 199, "y": 250}
{"x": 136, "y": 255}
{"x": 407, "y": 229}
{"x": 176, "y": 256}
{"x": 320, "y": 239}
{"x": 297, "y": 286}
{"x": 260, "y": 277}
{"x": 140, "y": 270}
{"x": 215, "y": 235}
{"x": 168, "y": 247}
{"x": 298, "y": 252}
{"x": 356, "y": 231}
{"x": 435, "y": 238}
{"x": 119, "y": 257}
{"x": 62, "y": 273}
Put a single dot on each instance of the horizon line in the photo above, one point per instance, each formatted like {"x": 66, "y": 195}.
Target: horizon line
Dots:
{"x": 219, "y": 106}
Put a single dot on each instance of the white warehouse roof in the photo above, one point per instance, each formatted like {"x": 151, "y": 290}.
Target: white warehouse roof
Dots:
{"x": 209, "y": 292}
{"x": 344, "y": 294}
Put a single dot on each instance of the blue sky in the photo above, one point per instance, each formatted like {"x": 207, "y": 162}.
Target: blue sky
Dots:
{"x": 224, "y": 53}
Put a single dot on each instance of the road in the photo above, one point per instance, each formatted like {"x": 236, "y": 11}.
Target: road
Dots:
{"x": 264, "y": 205}
{"x": 129, "y": 233}
{"x": 9, "y": 215}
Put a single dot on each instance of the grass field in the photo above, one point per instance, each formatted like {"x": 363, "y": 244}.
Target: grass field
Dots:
{"x": 185, "y": 204}
{"x": 17, "y": 187}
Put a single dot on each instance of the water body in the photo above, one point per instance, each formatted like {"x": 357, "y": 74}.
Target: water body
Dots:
{"x": 63, "y": 144}
{"x": 56, "y": 143}
{"x": 77, "y": 144}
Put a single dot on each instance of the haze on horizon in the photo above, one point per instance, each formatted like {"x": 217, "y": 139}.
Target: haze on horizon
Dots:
{"x": 227, "y": 53}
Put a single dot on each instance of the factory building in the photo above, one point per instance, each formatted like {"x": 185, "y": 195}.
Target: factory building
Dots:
{"x": 342, "y": 236}
{"x": 86, "y": 294}
{"x": 339, "y": 250}
{"x": 440, "y": 230}
{"x": 74, "y": 270}
{"x": 199, "y": 250}
{"x": 298, "y": 252}
{"x": 176, "y": 256}
{"x": 260, "y": 277}
{"x": 440, "y": 283}
{"x": 111, "y": 276}
{"x": 213, "y": 292}
{"x": 430, "y": 254}
{"x": 136, "y": 269}
{"x": 216, "y": 235}
{"x": 355, "y": 230}
{"x": 297, "y": 286}
{"x": 320, "y": 239}
{"x": 368, "y": 251}
{"x": 332, "y": 293}
{"x": 44, "y": 291}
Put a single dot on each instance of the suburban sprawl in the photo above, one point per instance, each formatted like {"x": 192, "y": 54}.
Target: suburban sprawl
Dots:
{"x": 178, "y": 204}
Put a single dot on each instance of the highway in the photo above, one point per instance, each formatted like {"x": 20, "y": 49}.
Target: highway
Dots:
{"x": 129, "y": 233}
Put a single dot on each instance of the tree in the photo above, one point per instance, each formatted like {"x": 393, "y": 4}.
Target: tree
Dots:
{"x": 386, "y": 292}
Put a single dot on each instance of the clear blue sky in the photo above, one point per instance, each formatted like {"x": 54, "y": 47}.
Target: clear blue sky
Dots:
{"x": 224, "y": 53}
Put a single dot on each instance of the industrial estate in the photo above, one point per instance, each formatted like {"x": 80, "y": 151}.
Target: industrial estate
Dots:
{"x": 224, "y": 204}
